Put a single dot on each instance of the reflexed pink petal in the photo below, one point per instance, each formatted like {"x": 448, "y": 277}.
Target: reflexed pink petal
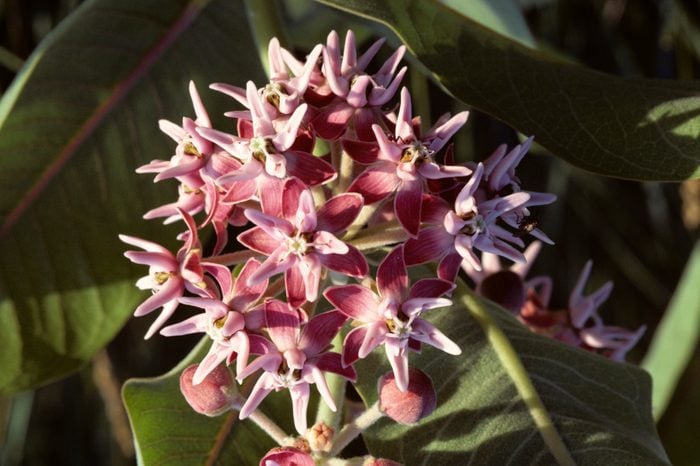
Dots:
{"x": 320, "y": 330}
{"x": 195, "y": 324}
{"x": 276, "y": 227}
{"x": 331, "y": 362}
{"x": 184, "y": 167}
{"x": 241, "y": 344}
{"x": 339, "y": 212}
{"x": 310, "y": 268}
{"x": 430, "y": 288}
{"x": 352, "y": 344}
{"x": 305, "y": 219}
{"x": 270, "y": 194}
{"x": 444, "y": 132}
{"x": 376, "y": 182}
{"x": 214, "y": 306}
{"x": 322, "y": 387}
{"x": 300, "y": 403}
{"x": 284, "y": 139}
{"x": 431, "y": 243}
{"x": 434, "y": 171}
{"x": 427, "y": 333}
{"x": 407, "y": 205}
{"x": 216, "y": 355}
{"x": 464, "y": 246}
{"x": 144, "y": 244}
{"x": 357, "y": 94}
{"x": 153, "y": 259}
{"x": 352, "y": 263}
{"x": 308, "y": 168}
{"x": 165, "y": 314}
{"x": 331, "y": 122}
{"x": 244, "y": 296}
{"x": 379, "y": 96}
{"x": 258, "y": 240}
{"x": 364, "y": 152}
{"x": 291, "y": 192}
{"x": 388, "y": 150}
{"x": 355, "y": 301}
{"x": 277, "y": 262}
{"x": 294, "y": 287}
{"x": 404, "y": 117}
{"x": 175, "y": 132}
{"x": 392, "y": 277}
{"x": 416, "y": 306}
{"x": 465, "y": 201}
{"x": 449, "y": 266}
{"x": 282, "y": 323}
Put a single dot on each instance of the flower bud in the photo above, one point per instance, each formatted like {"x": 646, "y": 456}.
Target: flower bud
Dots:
{"x": 505, "y": 288}
{"x": 214, "y": 395}
{"x": 320, "y": 437}
{"x": 408, "y": 407}
{"x": 287, "y": 456}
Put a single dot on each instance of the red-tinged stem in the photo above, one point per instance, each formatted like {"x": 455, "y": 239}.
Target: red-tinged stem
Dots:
{"x": 233, "y": 258}
{"x": 379, "y": 236}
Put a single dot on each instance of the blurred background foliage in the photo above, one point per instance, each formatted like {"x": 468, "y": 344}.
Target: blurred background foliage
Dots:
{"x": 639, "y": 234}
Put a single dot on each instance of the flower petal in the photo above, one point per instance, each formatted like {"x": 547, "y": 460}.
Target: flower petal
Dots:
{"x": 407, "y": 205}
{"x": 339, "y": 212}
{"x": 244, "y": 295}
{"x": 319, "y": 332}
{"x": 352, "y": 263}
{"x": 308, "y": 168}
{"x": 376, "y": 182}
{"x": 430, "y": 288}
{"x": 355, "y": 301}
{"x": 392, "y": 277}
{"x": 282, "y": 323}
{"x": 427, "y": 333}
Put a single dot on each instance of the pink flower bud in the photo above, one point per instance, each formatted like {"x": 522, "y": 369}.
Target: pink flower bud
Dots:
{"x": 505, "y": 288}
{"x": 287, "y": 456}
{"x": 214, "y": 395}
{"x": 408, "y": 407}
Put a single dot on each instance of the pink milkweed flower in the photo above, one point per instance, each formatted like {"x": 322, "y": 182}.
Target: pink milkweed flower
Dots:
{"x": 393, "y": 316}
{"x": 224, "y": 320}
{"x": 294, "y": 358}
{"x": 405, "y": 163}
{"x": 268, "y": 151}
{"x": 170, "y": 275}
{"x": 301, "y": 241}
{"x": 284, "y": 92}
{"x": 287, "y": 456}
{"x": 192, "y": 149}
{"x": 358, "y": 94}
{"x": 499, "y": 180}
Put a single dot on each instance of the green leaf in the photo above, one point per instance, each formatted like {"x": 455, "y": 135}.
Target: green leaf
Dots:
{"x": 80, "y": 117}
{"x": 168, "y": 432}
{"x": 515, "y": 397}
{"x": 676, "y": 336}
{"x": 503, "y": 16}
{"x": 624, "y": 127}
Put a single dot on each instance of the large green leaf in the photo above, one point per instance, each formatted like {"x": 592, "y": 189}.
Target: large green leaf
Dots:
{"x": 515, "y": 397}
{"x": 168, "y": 432}
{"x": 676, "y": 337}
{"x": 630, "y": 128}
{"x": 79, "y": 119}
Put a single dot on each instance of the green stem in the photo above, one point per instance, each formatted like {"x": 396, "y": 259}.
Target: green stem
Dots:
{"x": 365, "y": 214}
{"x": 515, "y": 369}
{"x": 344, "y": 172}
{"x": 378, "y": 236}
{"x": 351, "y": 430}
{"x": 266, "y": 23}
{"x": 265, "y": 423}
{"x": 336, "y": 385}
{"x": 420, "y": 94}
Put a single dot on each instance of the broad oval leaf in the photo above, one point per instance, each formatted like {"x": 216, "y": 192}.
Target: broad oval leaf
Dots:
{"x": 78, "y": 120}
{"x": 167, "y": 431}
{"x": 515, "y": 397}
{"x": 631, "y": 128}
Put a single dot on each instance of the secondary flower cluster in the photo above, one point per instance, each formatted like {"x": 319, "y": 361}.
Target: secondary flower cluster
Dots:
{"x": 323, "y": 174}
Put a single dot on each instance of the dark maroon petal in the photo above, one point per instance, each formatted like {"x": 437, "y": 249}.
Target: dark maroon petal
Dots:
{"x": 351, "y": 345}
{"x": 434, "y": 209}
{"x": 392, "y": 278}
{"x": 331, "y": 122}
{"x": 309, "y": 169}
{"x": 331, "y": 362}
{"x": 293, "y": 187}
{"x": 320, "y": 330}
{"x": 407, "y": 205}
{"x": 259, "y": 344}
{"x": 355, "y": 301}
{"x": 294, "y": 285}
{"x": 352, "y": 263}
{"x": 244, "y": 296}
{"x": 305, "y": 139}
{"x": 363, "y": 121}
{"x": 282, "y": 323}
{"x": 430, "y": 288}
{"x": 339, "y": 212}
{"x": 376, "y": 182}
{"x": 361, "y": 151}
{"x": 431, "y": 243}
{"x": 257, "y": 240}
{"x": 448, "y": 268}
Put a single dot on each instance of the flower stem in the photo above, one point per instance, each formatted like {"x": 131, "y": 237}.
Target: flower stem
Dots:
{"x": 376, "y": 237}
{"x": 265, "y": 423}
{"x": 365, "y": 215}
{"x": 265, "y": 21}
{"x": 355, "y": 428}
{"x": 336, "y": 385}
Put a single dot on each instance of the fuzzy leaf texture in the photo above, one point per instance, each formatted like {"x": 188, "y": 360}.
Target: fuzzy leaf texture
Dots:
{"x": 599, "y": 410}
{"x": 78, "y": 120}
{"x": 633, "y": 128}
{"x": 167, "y": 431}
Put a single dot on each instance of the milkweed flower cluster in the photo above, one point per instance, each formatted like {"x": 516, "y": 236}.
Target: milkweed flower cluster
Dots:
{"x": 310, "y": 219}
